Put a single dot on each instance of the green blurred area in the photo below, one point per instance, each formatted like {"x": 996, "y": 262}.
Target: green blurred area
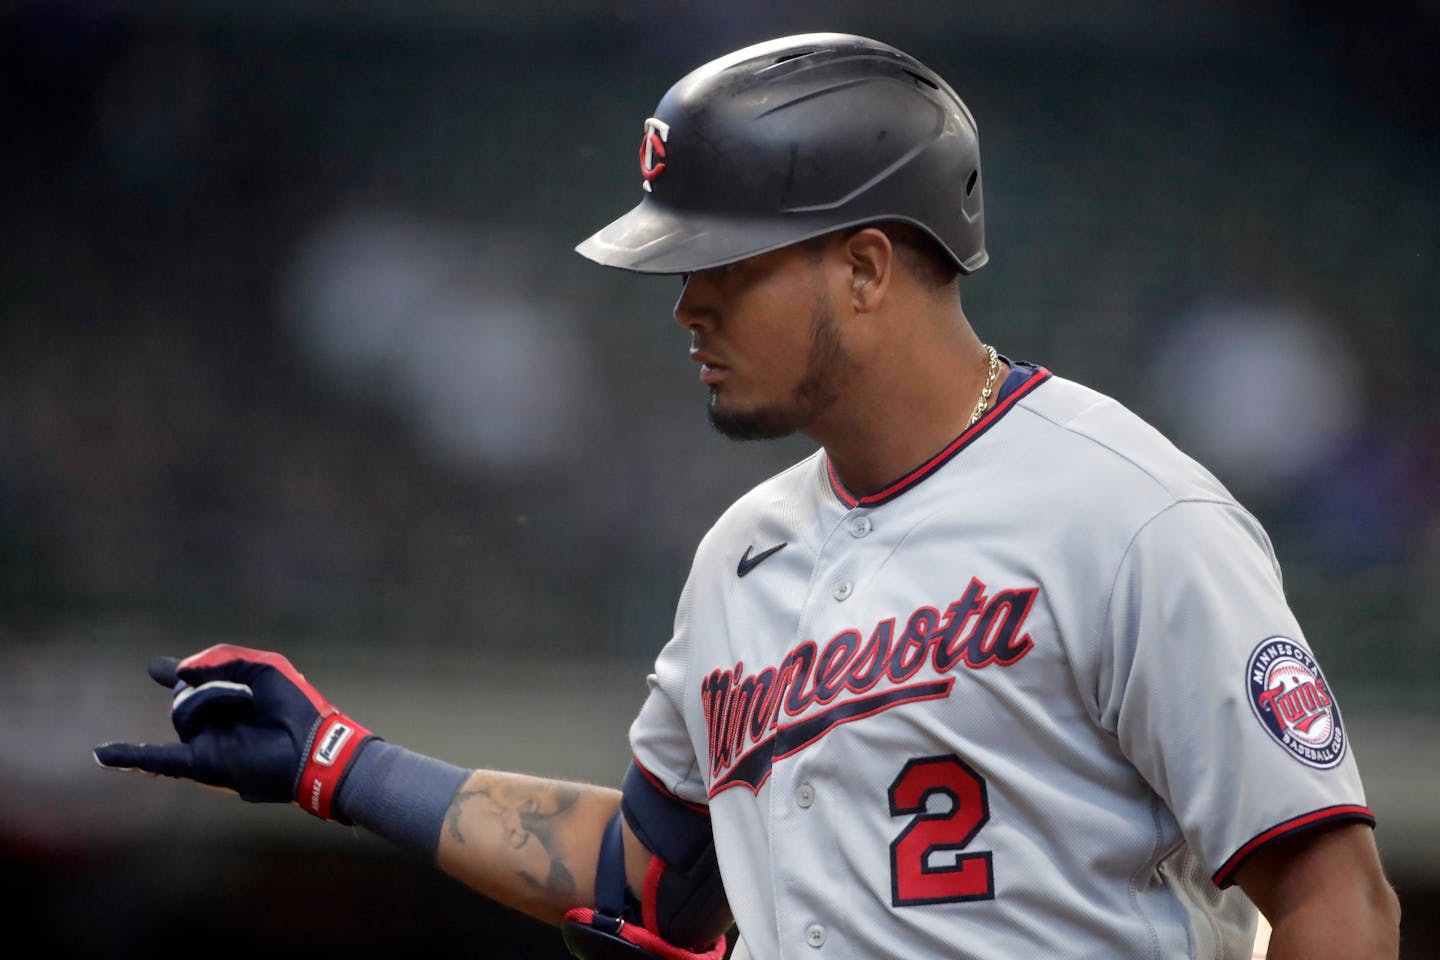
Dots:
{"x": 295, "y": 352}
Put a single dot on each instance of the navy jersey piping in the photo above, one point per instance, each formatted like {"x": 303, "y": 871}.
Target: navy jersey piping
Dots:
{"x": 1023, "y": 378}
{"x": 1338, "y": 813}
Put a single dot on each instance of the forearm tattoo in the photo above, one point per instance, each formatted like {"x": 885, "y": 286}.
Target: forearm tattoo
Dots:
{"x": 524, "y": 822}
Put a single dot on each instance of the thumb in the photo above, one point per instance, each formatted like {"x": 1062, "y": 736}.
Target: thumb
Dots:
{"x": 165, "y": 759}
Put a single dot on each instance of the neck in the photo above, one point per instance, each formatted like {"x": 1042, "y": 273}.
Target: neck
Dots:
{"x": 907, "y": 405}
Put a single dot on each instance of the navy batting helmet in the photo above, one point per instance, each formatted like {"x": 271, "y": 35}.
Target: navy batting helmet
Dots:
{"x": 793, "y": 138}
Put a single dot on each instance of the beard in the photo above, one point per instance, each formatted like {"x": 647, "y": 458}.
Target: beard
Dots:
{"x": 816, "y": 392}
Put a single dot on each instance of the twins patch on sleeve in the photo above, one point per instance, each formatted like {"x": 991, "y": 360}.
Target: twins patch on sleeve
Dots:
{"x": 1291, "y": 699}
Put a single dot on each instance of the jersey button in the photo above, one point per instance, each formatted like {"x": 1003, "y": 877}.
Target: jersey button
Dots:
{"x": 861, "y": 527}
{"x": 804, "y": 796}
{"x": 843, "y": 589}
{"x": 815, "y": 935}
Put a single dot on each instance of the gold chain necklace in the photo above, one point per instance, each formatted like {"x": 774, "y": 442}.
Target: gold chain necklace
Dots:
{"x": 984, "y": 402}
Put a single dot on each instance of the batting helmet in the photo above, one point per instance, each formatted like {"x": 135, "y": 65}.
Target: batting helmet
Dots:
{"x": 789, "y": 139}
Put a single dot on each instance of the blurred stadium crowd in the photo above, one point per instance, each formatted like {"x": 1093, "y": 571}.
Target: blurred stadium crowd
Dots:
{"x": 294, "y": 349}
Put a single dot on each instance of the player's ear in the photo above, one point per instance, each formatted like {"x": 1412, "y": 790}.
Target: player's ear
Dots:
{"x": 870, "y": 259}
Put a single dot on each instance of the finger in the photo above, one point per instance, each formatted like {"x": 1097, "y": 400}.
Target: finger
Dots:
{"x": 162, "y": 671}
{"x": 226, "y": 653}
{"x": 214, "y": 703}
{"x": 264, "y": 671}
{"x": 165, "y": 759}
{"x": 226, "y": 661}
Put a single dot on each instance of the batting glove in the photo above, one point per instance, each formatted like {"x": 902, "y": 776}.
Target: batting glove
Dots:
{"x": 250, "y": 722}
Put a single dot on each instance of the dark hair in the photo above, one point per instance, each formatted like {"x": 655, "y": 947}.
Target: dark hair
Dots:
{"x": 922, "y": 253}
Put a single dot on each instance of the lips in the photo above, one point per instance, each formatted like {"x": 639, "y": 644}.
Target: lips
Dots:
{"x": 712, "y": 371}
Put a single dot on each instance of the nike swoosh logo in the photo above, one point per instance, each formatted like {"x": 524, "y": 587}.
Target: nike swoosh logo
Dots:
{"x": 748, "y": 563}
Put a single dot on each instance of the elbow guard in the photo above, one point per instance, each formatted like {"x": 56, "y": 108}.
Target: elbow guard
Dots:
{"x": 683, "y": 902}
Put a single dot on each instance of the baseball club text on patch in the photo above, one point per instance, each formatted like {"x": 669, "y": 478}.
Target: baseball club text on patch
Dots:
{"x": 855, "y": 678}
{"x": 1290, "y": 697}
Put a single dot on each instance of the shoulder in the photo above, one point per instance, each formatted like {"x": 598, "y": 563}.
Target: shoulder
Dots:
{"x": 1100, "y": 444}
{"x": 1109, "y": 472}
{"x": 1073, "y": 461}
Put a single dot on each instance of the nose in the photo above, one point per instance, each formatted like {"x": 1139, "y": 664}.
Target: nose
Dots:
{"x": 692, "y": 309}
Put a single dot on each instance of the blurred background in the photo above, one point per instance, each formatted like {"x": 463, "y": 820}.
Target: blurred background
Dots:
{"x": 295, "y": 352}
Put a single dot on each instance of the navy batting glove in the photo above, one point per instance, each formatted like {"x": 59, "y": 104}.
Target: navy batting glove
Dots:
{"x": 250, "y": 722}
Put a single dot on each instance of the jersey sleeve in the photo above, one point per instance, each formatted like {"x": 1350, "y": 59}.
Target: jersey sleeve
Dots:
{"x": 1214, "y": 693}
{"x": 659, "y": 738}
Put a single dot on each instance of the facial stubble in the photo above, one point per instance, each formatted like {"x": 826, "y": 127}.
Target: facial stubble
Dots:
{"x": 816, "y": 392}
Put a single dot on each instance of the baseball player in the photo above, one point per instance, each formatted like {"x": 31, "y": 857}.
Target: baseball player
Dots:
{"x": 996, "y": 672}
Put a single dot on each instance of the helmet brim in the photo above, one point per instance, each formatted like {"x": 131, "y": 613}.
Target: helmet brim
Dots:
{"x": 653, "y": 238}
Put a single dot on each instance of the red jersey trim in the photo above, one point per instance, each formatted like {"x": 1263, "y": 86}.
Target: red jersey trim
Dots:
{"x": 970, "y": 435}
{"x": 1225, "y": 876}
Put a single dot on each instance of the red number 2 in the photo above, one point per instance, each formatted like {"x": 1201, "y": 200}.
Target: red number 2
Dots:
{"x": 914, "y": 879}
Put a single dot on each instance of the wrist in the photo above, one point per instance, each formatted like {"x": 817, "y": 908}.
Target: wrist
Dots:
{"x": 329, "y": 756}
{"x": 399, "y": 795}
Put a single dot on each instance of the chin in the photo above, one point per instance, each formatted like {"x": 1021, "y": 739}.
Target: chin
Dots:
{"x": 762, "y": 423}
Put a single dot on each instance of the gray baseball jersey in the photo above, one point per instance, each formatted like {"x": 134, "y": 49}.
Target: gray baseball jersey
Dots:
{"x": 1039, "y": 697}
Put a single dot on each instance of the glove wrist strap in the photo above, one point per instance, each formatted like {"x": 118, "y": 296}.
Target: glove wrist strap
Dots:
{"x": 327, "y": 757}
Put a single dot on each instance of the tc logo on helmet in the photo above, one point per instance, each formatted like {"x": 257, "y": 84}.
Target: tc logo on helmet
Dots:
{"x": 652, "y": 149}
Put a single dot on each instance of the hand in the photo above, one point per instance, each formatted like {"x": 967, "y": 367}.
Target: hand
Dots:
{"x": 250, "y": 722}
